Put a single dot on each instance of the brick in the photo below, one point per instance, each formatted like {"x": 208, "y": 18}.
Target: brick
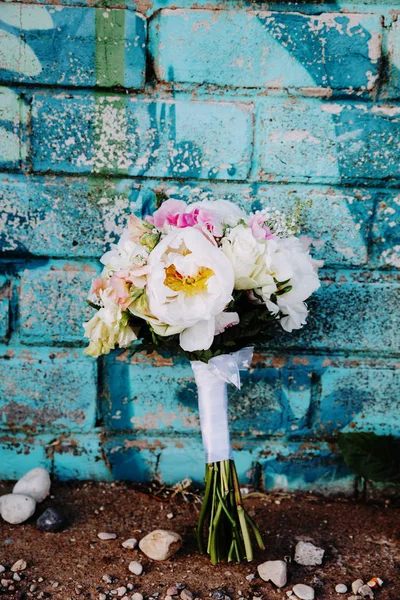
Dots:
{"x": 5, "y": 308}
{"x": 284, "y": 467}
{"x": 21, "y": 452}
{"x": 385, "y": 239}
{"x": 352, "y": 311}
{"x": 14, "y": 115}
{"x": 81, "y": 456}
{"x": 52, "y": 302}
{"x": 65, "y": 217}
{"x": 73, "y": 46}
{"x": 81, "y": 217}
{"x": 115, "y": 134}
{"x": 359, "y": 399}
{"x": 46, "y": 389}
{"x": 393, "y": 48}
{"x": 312, "y": 141}
{"x": 159, "y": 394}
{"x": 273, "y": 49}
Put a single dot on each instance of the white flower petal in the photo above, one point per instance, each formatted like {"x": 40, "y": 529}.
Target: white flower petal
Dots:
{"x": 198, "y": 337}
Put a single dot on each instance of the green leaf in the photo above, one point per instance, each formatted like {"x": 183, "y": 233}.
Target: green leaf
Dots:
{"x": 371, "y": 456}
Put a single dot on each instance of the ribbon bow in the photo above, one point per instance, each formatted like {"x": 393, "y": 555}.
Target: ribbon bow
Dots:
{"x": 228, "y": 366}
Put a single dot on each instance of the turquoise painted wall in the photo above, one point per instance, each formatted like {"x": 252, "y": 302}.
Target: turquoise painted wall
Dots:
{"x": 104, "y": 106}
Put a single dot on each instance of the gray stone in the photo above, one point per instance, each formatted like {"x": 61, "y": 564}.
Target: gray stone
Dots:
{"x": 307, "y": 554}
{"x": 137, "y": 596}
{"x": 17, "y": 508}
{"x": 35, "y": 483}
{"x": 275, "y": 571}
{"x": 50, "y": 520}
{"x": 160, "y": 544}
{"x": 304, "y": 592}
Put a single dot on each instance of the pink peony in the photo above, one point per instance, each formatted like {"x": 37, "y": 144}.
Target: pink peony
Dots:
{"x": 260, "y": 230}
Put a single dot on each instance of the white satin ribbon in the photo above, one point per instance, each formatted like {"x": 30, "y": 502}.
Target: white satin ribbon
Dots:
{"x": 212, "y": 379}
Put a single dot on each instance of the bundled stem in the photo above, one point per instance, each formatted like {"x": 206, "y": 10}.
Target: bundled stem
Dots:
{"x": 223, "y": 521}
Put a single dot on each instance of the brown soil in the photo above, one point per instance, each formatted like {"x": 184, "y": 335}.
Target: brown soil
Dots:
{"x": 361, "y": 541}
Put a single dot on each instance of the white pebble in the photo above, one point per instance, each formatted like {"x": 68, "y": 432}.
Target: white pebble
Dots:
{"x": 130, "y": 544}
{"x": 308, "y": 555}
{"x": 304, "y": 592}
{"x": 135, "y": 568}
{"x": 103, "y": 535}
{"x": 16, "y": 577}
{"x": 137, "y": 596}
{"x": 16, "y": 508}
{"x": 170, "y": 515}
{"x": 341, "y": 588}
{"x": 2, "y": 569}
{"x": 121, "y": 591}
{"x": 35, "y": 483}
{"x": 20, "y": 565}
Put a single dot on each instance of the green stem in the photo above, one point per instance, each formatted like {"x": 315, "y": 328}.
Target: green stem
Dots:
{"x": 256, "y": 532}
{"x": 204, "y": 509}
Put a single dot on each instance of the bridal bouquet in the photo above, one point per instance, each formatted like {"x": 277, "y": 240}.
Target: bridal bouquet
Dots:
{"x": 208, "y": 279}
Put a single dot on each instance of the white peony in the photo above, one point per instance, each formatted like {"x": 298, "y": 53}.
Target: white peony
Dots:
{"x": 303, "y": 281}
{"x": 190, "y": 282}
{"x": 125, "y": 254}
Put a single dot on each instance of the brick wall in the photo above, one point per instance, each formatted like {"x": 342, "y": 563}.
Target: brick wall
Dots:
{"x": 101, "y": 108}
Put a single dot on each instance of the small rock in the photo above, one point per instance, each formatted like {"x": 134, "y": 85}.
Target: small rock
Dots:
{"x": 35, "y": 483}
{"x": 354, "y": 598}
{"x": 160, "y": 544}
{"x": 180, "y": 586}
{"x": 103, "y": 535}
{"x": 341, "y": 588}
{"x": 121, "y": 591}
{"x": 172, "y": 590}
{"x": 355, "y": 586}
{"x": 20, "y": 565}
{"x": 250, "y": 577}
{"x": 16, "y": 508}
{"x": 135, "y": 567}
{"x": 365, "y": 591}
{"x": 275, "y": 571}
{"x": 131, "y": 543}
{"x": 16, "y": 577}
{"x": 2, "y": 569}
{"x": 137, "y": 596}
{"x": 102, "y": 596}
{"x": 375, "y": 582}
{"x": 170, "y": 515}
{"x": 107, "y": 578}
{"x": 304, "y": 592}
{"x": 186, "y": 594}
{"x": 308, "y": 555}
{"x": 50, "y": 520}
{"x": 33, "y": 587}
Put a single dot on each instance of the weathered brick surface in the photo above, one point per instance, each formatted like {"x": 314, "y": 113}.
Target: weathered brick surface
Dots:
{"x": 265, "y": 49}
{"x": 52, "y": 302}
{"x": 68, "y": 217}
{"x": 306, "y": 139}
{"x": 263, "y": 107}
{"x": 14, "y": 115}
{"x": 43, "y": 389}
{"x": 5, "y": 298}
{"x": 22, "y": 452}
{"x": 115, "y": 134}
{"x": 72, "y": 46}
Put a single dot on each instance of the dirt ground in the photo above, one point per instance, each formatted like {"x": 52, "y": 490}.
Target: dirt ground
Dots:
{"x": 361, "y": 541}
